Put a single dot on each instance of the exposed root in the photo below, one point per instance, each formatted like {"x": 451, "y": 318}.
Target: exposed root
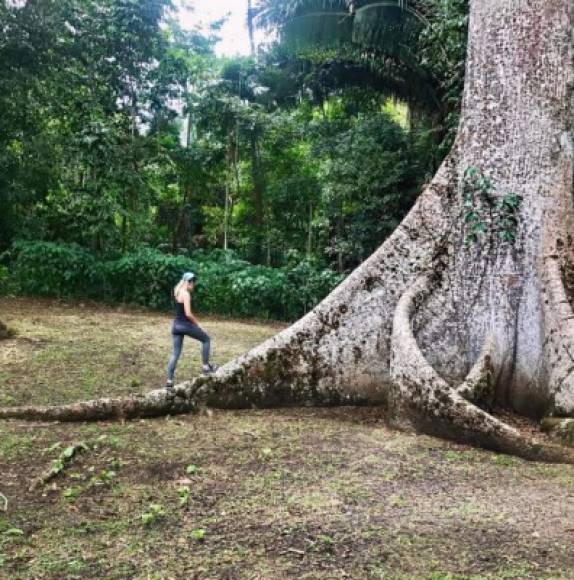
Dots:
{"x": 555, "y": 271}
{"x": 559, "y": 347}
{"x": 243, "y": 383}
{"x": 427, "y": 402}
{"x": 153, "y": 404}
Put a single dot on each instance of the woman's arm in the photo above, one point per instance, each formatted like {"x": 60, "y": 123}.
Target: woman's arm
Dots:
{"x": 187, "y": 307}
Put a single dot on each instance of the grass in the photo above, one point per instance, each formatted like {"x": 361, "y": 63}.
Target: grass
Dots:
{"x": 305, "y": 493}
{"x": 81, "y": 351}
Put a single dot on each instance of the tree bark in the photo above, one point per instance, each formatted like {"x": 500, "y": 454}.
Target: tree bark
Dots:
{"x": 438, "y": 329}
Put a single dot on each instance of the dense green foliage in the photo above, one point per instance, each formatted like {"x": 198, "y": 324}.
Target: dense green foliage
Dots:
{"x": 227, "y": 285}
{"x": 125, "y": 145}
{"x": 413, "y": 50}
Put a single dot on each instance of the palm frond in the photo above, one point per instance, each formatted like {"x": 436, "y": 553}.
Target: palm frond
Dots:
{"x": 390, "y": 26}
{"x": 373, "y": 42}
{"x": 276, "y": 13}
{"x": 320, "y": 29}
{"x": 390, "y": 77}
{"x": 387, "y": 26}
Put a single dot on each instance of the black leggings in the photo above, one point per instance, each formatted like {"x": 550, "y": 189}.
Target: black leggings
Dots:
{"x": 179, "y": 330}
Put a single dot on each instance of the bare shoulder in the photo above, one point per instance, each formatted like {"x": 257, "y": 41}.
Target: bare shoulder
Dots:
{"x": 182, "y": 297}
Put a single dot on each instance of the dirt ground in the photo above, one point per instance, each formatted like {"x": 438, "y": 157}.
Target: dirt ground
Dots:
{"x": 297, "y": 493}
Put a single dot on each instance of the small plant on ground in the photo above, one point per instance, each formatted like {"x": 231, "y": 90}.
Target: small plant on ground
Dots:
{"x": 154, "y": 513}
{"x": 71, "y": 493}
{"x": 183, "y": 493}
{"x": 105, "y": 477}
{"x": 192, "y": 469}
{"x": 266, "y": 453}
{"x": 13, "y": 532}
{"x": 198, "y": 535}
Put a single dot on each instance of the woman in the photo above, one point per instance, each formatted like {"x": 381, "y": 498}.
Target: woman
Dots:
{"x": 185, "y": 324}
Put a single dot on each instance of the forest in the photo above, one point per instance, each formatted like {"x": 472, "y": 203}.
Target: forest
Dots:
{"x": 129, "y": 150}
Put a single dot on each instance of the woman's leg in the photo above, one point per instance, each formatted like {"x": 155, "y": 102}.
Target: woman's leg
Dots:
{"x": 177, "y": 346}
{"x": 197, "y": 333}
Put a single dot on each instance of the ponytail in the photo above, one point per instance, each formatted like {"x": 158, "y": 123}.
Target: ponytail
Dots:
{"x": 179, "y": 286}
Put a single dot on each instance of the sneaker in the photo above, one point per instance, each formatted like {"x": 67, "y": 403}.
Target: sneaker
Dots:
{"x": 169, "y": 385}
{"x": 209, "y": 369}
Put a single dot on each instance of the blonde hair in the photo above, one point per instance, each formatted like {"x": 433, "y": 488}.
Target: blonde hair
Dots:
{"x": 179, "y": 286}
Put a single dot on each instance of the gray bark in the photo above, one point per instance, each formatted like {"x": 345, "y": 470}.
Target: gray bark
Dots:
{"x": 431, "y": 326}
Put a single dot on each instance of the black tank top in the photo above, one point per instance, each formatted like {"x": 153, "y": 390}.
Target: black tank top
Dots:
{"x": 180, "y": 311}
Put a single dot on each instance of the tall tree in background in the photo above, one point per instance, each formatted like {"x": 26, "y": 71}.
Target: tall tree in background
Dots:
{"x": 251, "y": 26}
{"x": 254, "y": 147}
{"x": 469, "y": 302}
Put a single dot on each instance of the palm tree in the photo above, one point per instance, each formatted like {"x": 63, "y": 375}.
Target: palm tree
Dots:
{"x": 388, "y": 26}
{"x": 366, "y": 41}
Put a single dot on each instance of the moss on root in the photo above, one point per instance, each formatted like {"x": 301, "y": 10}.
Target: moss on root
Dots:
{"x": 485, "y": 390}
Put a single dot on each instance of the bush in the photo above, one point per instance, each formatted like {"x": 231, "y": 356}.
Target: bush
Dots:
{"x": 144, "y": 277}
{"x": 52, "y": 269}
{"x": 226, "y": 286}
{"x": 7, "y": 283}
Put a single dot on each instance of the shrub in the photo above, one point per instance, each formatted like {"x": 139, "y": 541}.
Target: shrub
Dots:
{"x": 7, "y": 282}
{"x": 52, "y": 269}
{"x": 227, "y": 285}
{"x": 144, "y": 277}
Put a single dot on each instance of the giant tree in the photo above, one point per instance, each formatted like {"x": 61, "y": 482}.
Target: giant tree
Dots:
{"x": 467, "y": 304}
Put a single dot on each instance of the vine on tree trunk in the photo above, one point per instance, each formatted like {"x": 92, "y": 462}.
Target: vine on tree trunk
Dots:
{"x": 483, "y": 213}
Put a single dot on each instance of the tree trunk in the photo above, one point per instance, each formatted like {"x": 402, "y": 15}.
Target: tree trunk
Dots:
{"x": 434, "y": 327}
{"x": 226, "y": 219}
{"x": 251, "y": 27}
{"x": 258, "y": 192}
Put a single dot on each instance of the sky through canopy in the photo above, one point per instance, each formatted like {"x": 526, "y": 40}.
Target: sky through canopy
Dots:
{"x": 234, "y": 34}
